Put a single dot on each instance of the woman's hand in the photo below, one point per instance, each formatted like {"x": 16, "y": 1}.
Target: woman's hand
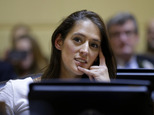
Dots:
{"x": 99, "y": 73}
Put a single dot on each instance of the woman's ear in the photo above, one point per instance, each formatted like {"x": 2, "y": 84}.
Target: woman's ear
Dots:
{"x": 58, "y": 42}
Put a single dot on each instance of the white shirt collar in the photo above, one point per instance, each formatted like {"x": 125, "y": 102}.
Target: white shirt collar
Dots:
{"x": 131, "y": 64}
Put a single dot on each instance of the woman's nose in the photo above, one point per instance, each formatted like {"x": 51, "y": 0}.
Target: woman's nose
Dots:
{"x": 84, "y": 49}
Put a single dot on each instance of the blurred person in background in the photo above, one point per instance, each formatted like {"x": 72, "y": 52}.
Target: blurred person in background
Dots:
{"x": 17, "y": 31}
{"x": 6, "y": 68}
{"x": 26, "y": 56}
{"x": 124, "y": 37}
{"x": 149, "y": 53}
{"x": 150, "y": 38}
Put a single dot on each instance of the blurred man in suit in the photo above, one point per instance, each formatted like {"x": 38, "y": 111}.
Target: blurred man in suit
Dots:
{"x": 123, "y": 32}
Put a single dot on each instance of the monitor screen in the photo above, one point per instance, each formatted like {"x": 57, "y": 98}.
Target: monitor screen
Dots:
{"x": 137, "y": 70}
{"x": 136, "y": 74}
{"x": 90, "y": 98}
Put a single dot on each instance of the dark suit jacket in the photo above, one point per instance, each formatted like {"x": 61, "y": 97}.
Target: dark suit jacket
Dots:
{"x": 142, "y": 59}
{"x": 6, "y": 71}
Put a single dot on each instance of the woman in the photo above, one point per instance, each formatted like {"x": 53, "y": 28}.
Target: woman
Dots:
{"x": 73, "y": 25}
{"x": 30, "y": 58}
{"x": 17, "y": 31}
{"x": 80, "y": 49}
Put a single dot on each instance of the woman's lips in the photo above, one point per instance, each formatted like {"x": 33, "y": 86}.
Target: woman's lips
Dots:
{"x": 80, "y": 62}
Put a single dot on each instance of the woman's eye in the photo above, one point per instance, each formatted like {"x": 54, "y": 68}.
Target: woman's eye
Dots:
{"x": 76, "y": 39}
{"x": 94, "y": 45}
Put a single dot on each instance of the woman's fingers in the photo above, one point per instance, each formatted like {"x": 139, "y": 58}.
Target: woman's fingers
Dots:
{"x": 101, "y": 58}
{"x": 99, "y": 73}
{"x": 86, "y": 71}
{"x": 91, "y": 78}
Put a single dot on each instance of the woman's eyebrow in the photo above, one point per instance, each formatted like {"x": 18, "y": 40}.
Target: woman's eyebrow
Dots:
{"x": 94, "y": 39}
{"x": 79, "y": 34}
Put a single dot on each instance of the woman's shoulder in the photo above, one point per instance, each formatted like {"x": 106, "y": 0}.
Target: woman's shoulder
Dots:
{"x": 20, "y": 83}
{"x": 26, "y": 80}
{"x": 20, "y": 86}
{"x": 14, "y": 94}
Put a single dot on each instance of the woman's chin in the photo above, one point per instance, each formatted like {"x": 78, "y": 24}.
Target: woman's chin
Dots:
{"x": 79, "y": 72}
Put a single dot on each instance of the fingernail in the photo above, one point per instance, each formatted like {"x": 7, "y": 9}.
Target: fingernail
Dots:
{"x": 80, "y": 68}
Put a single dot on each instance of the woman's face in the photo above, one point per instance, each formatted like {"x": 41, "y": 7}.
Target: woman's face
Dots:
{"x": 20, "y": 32}
{"x": 24, "y": 45}
{"x": 80, "y": 48}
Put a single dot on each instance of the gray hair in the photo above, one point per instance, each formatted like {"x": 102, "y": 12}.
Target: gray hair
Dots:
{"x": 121, "y": 18}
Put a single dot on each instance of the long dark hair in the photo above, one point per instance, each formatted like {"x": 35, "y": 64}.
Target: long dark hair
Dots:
{"x": 53, "y": 70}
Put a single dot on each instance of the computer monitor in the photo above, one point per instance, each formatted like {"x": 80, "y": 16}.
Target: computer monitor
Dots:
{"x": 119, "y": 97}
{"x": 136, "y": 70}
{"x": 136, "y": 74}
